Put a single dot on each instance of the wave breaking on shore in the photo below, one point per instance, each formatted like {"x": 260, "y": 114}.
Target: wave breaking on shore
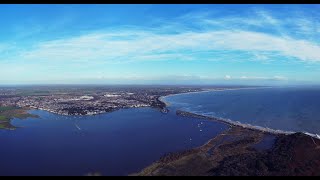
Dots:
{"x": 243, "y": 125}
{"x": 208, "y": 116}
{"x": 232, "y": 123}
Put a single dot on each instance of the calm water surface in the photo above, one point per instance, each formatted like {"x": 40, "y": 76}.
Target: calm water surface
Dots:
{"x": 117, "y": 143}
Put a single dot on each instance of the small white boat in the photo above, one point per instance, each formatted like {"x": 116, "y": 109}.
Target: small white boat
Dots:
{"x": 77, "y": 126}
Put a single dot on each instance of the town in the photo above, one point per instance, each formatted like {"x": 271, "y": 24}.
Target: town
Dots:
{"x": 88, "y": 100}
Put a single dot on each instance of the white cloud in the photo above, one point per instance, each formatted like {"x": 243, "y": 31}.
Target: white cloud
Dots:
{"x": 255, "y": 18}
{"x": 203, "y": 36}
{"x": 189, "y": 77}
{"x": 225, "y": 22}
{"x": 227, "y": 77}
{"x": 235, "y": 40}
{"x": 138, "y": 45}
{"x": 277, "y": 78}
{"x": 267, "y": 17}
{"x": 305, "y": 26}
{"x": 280, "y": 78}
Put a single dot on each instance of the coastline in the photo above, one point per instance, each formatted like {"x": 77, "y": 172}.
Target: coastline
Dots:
{"x": 236, "y": 123}
{"x": 161, "y": 108}
{"x": 161, "y": 98}
{"x": 237, "y": 150}
{"x": 233, "y": 152}
{"x": 90, "y": 114}
{"x": 16, "y": 112}
{"x": 232, "y": 123}
{"x": 192, "y": 114}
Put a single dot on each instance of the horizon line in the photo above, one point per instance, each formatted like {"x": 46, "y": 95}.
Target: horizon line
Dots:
{"x": 137, "y": 84}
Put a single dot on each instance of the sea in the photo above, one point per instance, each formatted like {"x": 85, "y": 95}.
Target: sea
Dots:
{"x": 288, "y": 109}
{"x": 127, "y": 140}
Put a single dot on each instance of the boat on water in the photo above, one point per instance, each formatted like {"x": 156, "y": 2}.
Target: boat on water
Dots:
{"x": 77, "y": 126}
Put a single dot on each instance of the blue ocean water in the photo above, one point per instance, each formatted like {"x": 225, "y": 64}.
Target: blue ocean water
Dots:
{"x": 116, "y": 143}
{"x": 289, "y": 109}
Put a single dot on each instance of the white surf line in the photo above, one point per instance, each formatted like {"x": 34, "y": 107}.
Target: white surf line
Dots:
{"x": 256, "y": 127}
{"x": 312, "y": 135}
{"x": 237, "y": 123}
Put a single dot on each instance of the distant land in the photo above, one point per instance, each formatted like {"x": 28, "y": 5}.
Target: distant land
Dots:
{"x": 91, "y": 100}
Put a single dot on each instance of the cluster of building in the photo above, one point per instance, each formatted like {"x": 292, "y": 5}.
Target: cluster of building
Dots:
{"x": 80, "y": 102}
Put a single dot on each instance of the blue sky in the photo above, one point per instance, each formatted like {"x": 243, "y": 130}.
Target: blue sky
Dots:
{"x": 160, "y": 44}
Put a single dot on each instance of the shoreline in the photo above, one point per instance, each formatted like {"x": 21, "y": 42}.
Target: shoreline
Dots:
{"x": 232, "y": 123}
{"x": 161, "y": 98}
{"x": 201, "y": 116}
{"x": 16, "y": 112}
{"x": 236, "y": 123}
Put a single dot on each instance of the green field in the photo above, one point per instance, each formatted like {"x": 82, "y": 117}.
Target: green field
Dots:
{"x": 7, "y": 113}
{"x": 2, "y": 108}
{"x": 3, "y": 118}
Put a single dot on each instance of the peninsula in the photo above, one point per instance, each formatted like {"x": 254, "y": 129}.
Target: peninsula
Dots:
{"x": 242, "y": 151}
{"x": 8, "y": 112}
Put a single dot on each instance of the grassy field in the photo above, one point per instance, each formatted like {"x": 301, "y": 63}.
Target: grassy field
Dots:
{"x": 3, "y": 118}
{"x": 8, "y": 113}
{"x": 35, "y": 93}
{"x": 5, "y": 108}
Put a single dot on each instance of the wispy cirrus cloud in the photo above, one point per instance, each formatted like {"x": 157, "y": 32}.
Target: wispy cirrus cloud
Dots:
{"x": 283, "y": 22}
{"x": 197, "y": 36}
{"x": 125, "y": 46}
